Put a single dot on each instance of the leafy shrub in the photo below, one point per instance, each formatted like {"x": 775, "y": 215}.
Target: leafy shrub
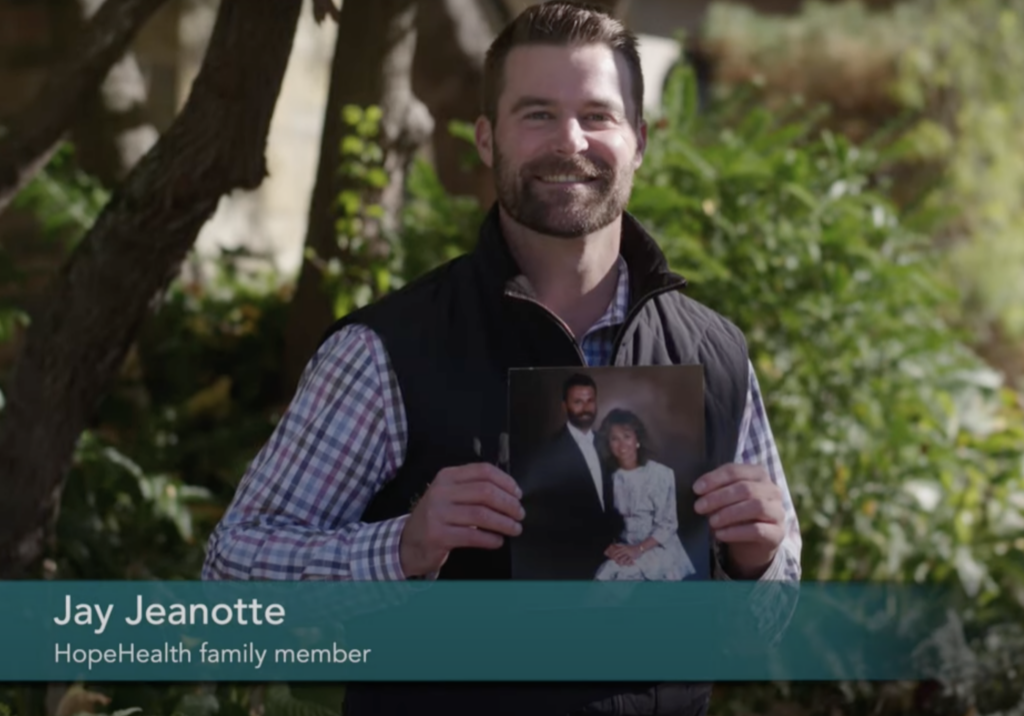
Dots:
{"x": 955, "y": 65}
{"x": 904, "y": 451}
{"x": 197, "y": 399}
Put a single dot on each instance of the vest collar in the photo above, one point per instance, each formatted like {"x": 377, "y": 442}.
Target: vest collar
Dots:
{"x": 649, "y": 273}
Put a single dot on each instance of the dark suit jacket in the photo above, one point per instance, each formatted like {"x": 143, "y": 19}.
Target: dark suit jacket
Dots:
{"x": 566, "y": 530}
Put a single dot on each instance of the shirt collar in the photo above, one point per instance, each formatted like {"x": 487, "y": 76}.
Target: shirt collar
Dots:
{"x": 579, "y": 434}
{"x": 646, "y": 264}
{"x": 614, "y": 314}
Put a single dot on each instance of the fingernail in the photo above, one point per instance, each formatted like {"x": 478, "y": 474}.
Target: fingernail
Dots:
{"x": 700, "y": 505}
{"x": 715, "y": 519}
{"x": 700, "y": 485}
{"x": 519, "y": 493}
{"x": 522, "y": 513}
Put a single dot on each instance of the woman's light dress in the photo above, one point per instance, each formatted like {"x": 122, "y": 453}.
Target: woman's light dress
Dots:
{"x": 646, "y": 498}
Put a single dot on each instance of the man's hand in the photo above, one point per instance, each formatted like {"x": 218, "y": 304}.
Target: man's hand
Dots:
{"x": 744, "y": 509}
{"x": 474, "y": 505}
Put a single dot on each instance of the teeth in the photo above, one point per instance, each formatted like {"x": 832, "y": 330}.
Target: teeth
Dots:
{"x": 564, "y": 179}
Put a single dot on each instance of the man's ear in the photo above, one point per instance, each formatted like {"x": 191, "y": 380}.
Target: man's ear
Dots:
{"x": 641, "y": 142}
{"x": 484, "y": 135}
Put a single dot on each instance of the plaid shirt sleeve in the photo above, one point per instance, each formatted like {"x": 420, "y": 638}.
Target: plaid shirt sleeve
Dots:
{"x": 757, "y": 447}
{"x": 295, "y": 515}
{"x": 776, "y": 595}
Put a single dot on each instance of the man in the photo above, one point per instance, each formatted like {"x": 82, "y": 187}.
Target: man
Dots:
{"x": 404, "y": 402}
{"x": 568, "y": 496}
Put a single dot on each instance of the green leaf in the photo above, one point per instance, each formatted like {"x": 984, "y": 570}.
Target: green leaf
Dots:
{"x": 377, "y": 178}
{"x": 352, "y": 114}
{"x": 352, "y": 145}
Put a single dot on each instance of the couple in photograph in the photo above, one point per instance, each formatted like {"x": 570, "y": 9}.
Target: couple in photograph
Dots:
{"x": 599, "y": 507}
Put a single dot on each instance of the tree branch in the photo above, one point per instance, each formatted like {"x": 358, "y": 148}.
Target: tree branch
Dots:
{"x": 78, "y": 340}
{"x": 34, "y": 134}
{"x": 373, "y": 62}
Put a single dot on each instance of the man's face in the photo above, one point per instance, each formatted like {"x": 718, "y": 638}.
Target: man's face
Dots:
{"x": 564, "y": 148}
{"x": 581, "y": 406}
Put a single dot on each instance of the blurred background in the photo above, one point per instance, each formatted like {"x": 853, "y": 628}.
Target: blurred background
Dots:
{"x": 191, "y": 190}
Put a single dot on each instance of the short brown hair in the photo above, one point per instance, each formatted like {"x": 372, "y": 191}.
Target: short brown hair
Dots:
{"x": 563, "y": 23}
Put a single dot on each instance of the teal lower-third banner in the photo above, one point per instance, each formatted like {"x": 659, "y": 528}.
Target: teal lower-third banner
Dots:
{"x": 468, "y": 631}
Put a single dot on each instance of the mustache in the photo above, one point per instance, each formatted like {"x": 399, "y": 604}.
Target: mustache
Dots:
{"x": 567, "y": 165}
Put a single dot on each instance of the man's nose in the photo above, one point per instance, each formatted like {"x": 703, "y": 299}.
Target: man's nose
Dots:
{"x": 570, "y": 137}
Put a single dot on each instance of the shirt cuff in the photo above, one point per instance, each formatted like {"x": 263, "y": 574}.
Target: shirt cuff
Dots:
{"x": 776, "y": 571}
{"x": 377, "y": 556}
{"x": 375, "y": 551}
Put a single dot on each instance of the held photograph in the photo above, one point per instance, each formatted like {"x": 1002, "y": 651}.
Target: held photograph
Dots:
{"x": 606, "y": 459}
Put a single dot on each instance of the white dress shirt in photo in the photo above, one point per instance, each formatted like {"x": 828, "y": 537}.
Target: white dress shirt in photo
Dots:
{"x": 586, "y": 442}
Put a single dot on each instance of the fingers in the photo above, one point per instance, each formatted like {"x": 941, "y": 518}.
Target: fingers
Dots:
{"x": 486, "y": 494}
{"x": 470, "y": 506}
{"x": 459, "y": 537}
{"x": 748, "y": 511}
{"x": 483, "y": 518}
{"x": 728, "y": 475}
{"x": 735, "y": 493}
{"x": 751, "y": 532}
{"x": 480, "y": 472}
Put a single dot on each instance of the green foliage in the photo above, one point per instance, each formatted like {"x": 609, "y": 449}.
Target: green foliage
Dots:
{"x": 363, "y": 268}
{"x": 956, "y": 65}
{"x": 64, "y": 199}
{"x": 904, "y": 452}
{"x": 879, "y": 409}
{"x": 436, "y": 227}
{"x": 121, "y": 522}
{"x": 965, "y": 67}
{"x": 65, "y": 202}
{"x": 194, "y": 404}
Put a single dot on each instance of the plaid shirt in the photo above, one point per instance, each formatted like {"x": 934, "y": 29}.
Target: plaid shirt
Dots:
{"x": 296, "y": 513}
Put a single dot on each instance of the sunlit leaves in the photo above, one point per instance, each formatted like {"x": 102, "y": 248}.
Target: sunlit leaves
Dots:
{"x": 868, "y": 390}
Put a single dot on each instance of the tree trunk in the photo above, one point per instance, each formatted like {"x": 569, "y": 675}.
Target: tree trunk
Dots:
{"x": 35, "y": 133}
{"x": 79, "y": 338}
{"x": 447, "y": 76}
{"x": 113, "y": 131}
{"x": 372, "y": 66}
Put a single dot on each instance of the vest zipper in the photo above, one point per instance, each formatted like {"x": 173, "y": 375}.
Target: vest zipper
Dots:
{"x": 558, "y": 321}
{"x": 635, "y": 311}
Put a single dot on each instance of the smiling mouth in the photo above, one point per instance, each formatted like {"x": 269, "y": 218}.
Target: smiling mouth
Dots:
{"x": 566, "y": 179}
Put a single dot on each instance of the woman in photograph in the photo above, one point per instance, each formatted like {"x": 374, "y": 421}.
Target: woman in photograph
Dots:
{"x": 644, "y": 492}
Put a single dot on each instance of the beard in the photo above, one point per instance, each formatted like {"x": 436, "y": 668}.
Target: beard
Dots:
{"x": 567, "y": 212}
{"x": 582, "y": 420}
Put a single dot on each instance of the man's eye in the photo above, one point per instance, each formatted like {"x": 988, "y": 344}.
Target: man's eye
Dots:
{"x": 538, "y": 115}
